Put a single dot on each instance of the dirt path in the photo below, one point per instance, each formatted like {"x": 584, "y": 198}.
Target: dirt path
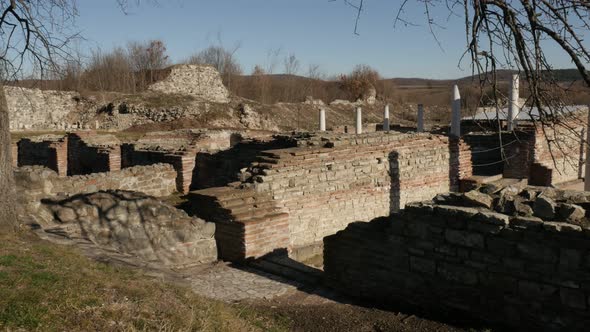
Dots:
{"x": 303, "y": 307}
{"x": 322, "y": 310}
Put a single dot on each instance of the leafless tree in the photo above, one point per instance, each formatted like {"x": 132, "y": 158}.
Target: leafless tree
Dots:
{"x": 291, "y": 64}
{"x": 146, "y": 58}
{"x": 515, "y": 34}
{"x": 34, "y": 34}
{"x": 222, "y": 59}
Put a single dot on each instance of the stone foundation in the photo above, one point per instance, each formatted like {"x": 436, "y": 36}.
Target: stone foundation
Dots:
{"x": 328, "y": 182}
{"x": 513, "y": 270}
{"x": 135, "y": 224}
{"x": 157, "y": 180}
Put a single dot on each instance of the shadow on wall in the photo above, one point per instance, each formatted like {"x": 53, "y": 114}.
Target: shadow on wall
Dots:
{"x": 394, "y": 177}
{"x": 136, "y": 224}
{"x": 454, "y": 164}
{"x": 218, "y": 169}
{"x": 36, "y": 153}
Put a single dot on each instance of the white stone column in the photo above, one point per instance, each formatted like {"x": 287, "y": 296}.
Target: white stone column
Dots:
{"x": 359, "y": 121}
{"x": 386, "y": 118}
{"x": 587, "y": 163}
{"x": 420, "y": 119}
{"x": 96, "y": 124}
{"x": 322, "y": 119}
{"x": 513, "y": 107}
{"x": 456, "y": 113}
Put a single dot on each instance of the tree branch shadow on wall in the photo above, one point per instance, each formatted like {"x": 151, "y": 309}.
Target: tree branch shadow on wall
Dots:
{"x": 107, "y": 219}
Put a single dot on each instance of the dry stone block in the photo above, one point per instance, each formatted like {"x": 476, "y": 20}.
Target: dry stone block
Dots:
{"x": 477, "y": 199}
{"x": 571, "y": 212}
{"x": 544, "y": 208}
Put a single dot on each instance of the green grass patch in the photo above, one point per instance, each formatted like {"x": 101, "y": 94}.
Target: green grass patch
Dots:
{"x": 47, "y": 287}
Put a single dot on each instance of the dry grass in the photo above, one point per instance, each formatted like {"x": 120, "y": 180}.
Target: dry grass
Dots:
{"x": 46, "y": 287}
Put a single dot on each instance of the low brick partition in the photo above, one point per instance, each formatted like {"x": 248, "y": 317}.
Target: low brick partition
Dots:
{"x": 90, "y": 153}
{"x": 514, "y": 270}
{"x": 177, "y": 148}
{"x": 50, "y": 151}
{"x": 504, "y": 153}
{"x": 156, "y": 180}
{"x": 544, "y": 155}
{"x": 305, "y": 193}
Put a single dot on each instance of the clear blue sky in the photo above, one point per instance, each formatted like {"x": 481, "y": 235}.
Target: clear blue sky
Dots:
{"x": 316, "y": 31}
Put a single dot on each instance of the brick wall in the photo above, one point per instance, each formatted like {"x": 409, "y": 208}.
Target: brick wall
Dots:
{"x": 518, "y": 271}
{"x": 86, "y": 158}
{"x": 558, "y": 154}
{"x": 489, "y": 151}
{"x": 50, "y": 151}
{"x": 183, "y": 163}
{"x": 179, "y": 149}
{"x": 323, "y": 189}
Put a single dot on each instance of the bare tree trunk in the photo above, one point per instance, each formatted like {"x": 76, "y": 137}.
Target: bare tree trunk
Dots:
{"x": 8, "y": 220}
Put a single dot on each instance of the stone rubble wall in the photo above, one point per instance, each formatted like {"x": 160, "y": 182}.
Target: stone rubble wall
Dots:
{"x": 323, "y": 189}
{"x": 156, "y": 180}
{"x": 512, "y": 270}
{"x": 203, "y": 82}
{"x": 39, "y": 109}
{"x": 135, "y": 224}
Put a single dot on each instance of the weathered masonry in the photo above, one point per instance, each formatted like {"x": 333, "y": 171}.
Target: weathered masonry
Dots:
{"x": 86, "y": 152}
{"x": 91, "y": 153}
{"x": 157, "y": 180}
{"x": 544, "y": 155}
{"x": 297, "y": 196}
{"x": 178, "y": 148}
{"x": 517, "y": 270}
{"x": 50, "y": 151}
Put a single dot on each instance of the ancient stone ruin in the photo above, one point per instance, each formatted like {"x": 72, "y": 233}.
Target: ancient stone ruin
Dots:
{"x": 518, "y": 257}
{"x": 136, "y": 224}
{"x": 462, "y": 219}
{"x": 203, "y": 82}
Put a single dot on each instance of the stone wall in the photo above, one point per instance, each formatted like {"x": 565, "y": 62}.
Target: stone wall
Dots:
{"x": 50, "y": 151}
{"x": 203, "y": 82}
{"x": 514, "y": 270}
{"x": 219, "y": 168}
{"x": 91, "y": 153}
{"x": 39, "y": 109}
{"x": 157, "y": 180}
{"x": 135, "y": 224}
{"x": 179, "y": 149}
{"x": 316, "y": 190}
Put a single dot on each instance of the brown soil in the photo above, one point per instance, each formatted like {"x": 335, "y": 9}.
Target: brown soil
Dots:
{"x": 305, "y": 311}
